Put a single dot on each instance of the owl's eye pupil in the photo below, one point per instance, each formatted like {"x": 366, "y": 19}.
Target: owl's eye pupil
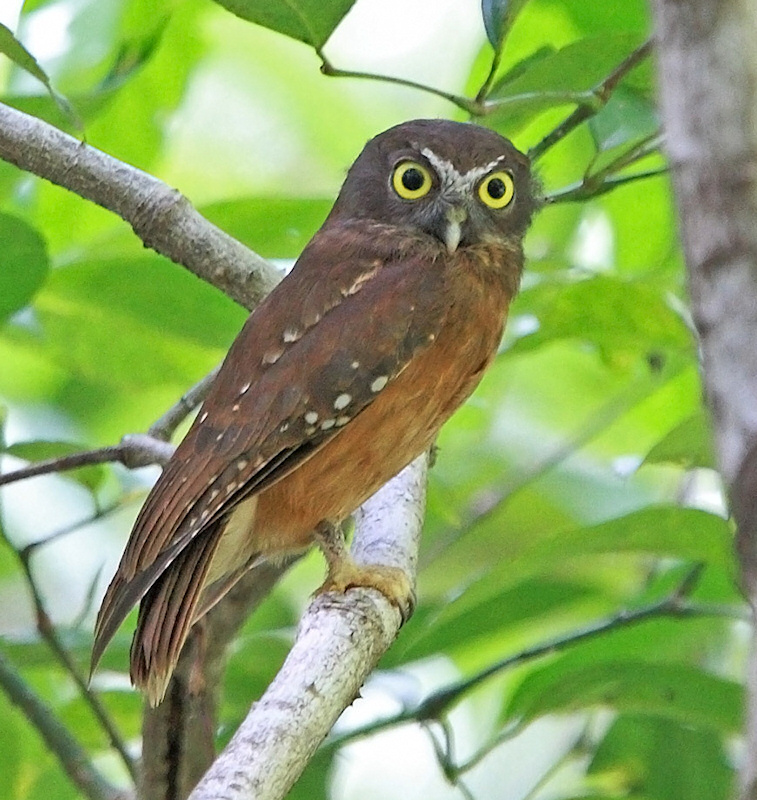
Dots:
{"x": 412, "y": 179}
{"x": 496, "y": 188}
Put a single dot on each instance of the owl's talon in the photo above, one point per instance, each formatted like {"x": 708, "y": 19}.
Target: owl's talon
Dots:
{"x": 345, "y": 574}
{"x": 392, "y": 582}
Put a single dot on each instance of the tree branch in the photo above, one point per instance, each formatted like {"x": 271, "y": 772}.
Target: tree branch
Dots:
{"x": 708, "y": 98}
{"x": 162, "y": 217}
{"x": 340, "y": 640}
{"x": 61, "y": 743}
{"x": 135, "y": 450}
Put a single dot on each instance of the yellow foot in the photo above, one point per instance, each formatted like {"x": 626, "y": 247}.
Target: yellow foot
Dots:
{"x": 392, "y": 582}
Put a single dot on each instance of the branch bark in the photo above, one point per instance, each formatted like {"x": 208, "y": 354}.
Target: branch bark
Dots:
{"x": 339, "y": 642}
{"x": 708, "y": 94}
{"x": 160, "y": 216}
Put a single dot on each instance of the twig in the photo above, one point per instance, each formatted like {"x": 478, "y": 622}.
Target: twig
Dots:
{"x": 601, "y": 95}
{"x": 473, "y": 107}
{"x": 439, "y": 702}
{"x": 604, "y": 180}
{"x": 165, "y": 427}
{"x": 162, "y": 217}
{"x": 579, "y": 192}
{"x": 135, "y": 450}
{"x": 72, "y": 757}
{"x": 340, "y": 639}
{"x": 49, "y": 634}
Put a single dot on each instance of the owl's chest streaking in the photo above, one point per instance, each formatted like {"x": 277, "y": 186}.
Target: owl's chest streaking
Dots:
{"x": 405, "y": 418}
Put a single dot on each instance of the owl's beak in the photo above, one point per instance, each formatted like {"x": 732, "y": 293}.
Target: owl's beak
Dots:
{"x": 453, "y": 230}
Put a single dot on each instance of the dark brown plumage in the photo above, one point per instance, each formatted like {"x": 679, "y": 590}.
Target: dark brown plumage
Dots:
{"x": 341, "y": 377}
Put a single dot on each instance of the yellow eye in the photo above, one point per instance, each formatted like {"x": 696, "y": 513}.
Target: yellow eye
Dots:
{"x": 497, "y": 190}
{"x": 411, "y": 180}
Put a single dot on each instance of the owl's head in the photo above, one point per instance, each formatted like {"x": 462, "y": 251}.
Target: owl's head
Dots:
{"x": 459, "y": 182}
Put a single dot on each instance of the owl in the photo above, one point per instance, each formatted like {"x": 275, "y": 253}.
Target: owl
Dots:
{"x": 340, "y": 378}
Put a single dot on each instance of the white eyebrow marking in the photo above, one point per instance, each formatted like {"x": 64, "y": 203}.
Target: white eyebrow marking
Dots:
{"x": 450, "y": 177}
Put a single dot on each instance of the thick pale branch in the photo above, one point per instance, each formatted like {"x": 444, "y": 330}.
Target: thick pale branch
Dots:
{"x": 339, "y": 642}
{"x": 162, "y": 217}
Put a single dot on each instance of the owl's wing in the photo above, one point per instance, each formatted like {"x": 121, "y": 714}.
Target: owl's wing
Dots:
{"x": 284, "y": 390}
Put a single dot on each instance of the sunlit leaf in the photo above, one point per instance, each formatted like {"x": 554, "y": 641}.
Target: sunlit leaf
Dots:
{"x": 688, "y": 445}
{"x": 11, "y": 47}
{"x": 499, "y": 16}
{"x": 23, "y": 264}
{"x": 310, "y": 21}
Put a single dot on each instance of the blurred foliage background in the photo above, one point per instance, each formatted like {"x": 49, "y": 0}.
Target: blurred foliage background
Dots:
{"x": 576, "y": 488}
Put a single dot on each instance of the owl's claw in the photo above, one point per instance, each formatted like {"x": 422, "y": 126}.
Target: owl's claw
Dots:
{"x": 345, "y": 574}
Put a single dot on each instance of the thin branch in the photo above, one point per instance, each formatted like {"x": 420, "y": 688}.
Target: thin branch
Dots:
{"x": 340, "y": 639}
{"x": 606, "y": 179}
{"x": 135, "y": 450}
{"x": 438, "y": 703}
{"x": 160, "y": 216}
{"x": 49, "y": 634}
{"x": 72, "y": 757}
{"x": 165, "y": 427}
{"x": 580, "y": 192}
{"x": 473, "y": 107}
{"x": 601, "y": 94}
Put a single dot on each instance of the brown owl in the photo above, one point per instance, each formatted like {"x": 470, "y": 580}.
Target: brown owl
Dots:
{"x": 341, "y": 377}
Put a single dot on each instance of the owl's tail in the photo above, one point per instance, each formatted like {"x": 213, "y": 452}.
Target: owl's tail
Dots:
{"x": 166, "y": 614}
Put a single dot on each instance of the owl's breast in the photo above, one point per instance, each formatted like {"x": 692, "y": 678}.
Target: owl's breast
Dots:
{"x": 398, "y": 425}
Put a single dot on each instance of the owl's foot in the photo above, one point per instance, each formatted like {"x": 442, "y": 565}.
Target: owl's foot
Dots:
{"x": 345, "y": 574}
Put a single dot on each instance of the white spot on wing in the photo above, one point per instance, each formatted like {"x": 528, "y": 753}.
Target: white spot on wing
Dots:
{"x": 291, "y": 335}
{"x": 244, "y": 388}
{"x": 242, "y": 463}
{"x": 379, "y": 383}
{"x": 311, "y": 417}
{"x": 341, "y": 421}
{"x": 342, "y": 401}
{"x": 272, "y": 356}
{"x": 203, "y": 416}
{"x": 328, "y": 423}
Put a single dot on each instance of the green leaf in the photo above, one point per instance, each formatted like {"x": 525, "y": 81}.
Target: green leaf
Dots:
{"x": 661, "y": 759}
{"x": 275, "y": 227}
{"x": 627, "y": 117}
{"x": 90, "y": 476}
{"x": 565, "y": 77}
{"x": 23, "y": 264}
{"x": 16, "y": 52}
{"x": 688, "y": 445}
{"x": 620, "y": 317}
{"x": 679, "y": 692}
{"x": 499, "y": 16}
{"x": 460, "y": 625}
{"x": 309, "y": 21}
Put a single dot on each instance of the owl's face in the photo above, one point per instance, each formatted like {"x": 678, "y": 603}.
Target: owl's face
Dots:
{"x": 458, "y": 182}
